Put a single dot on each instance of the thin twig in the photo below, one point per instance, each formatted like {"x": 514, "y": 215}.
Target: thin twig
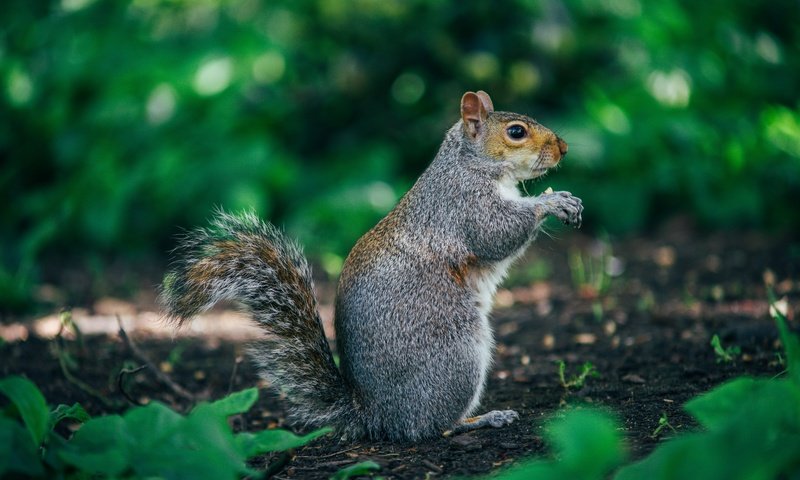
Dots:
{"x": 61, "y": 354}
{"x": 163, "y": 377}
{"x": 232, "y": 380}
{"x": 335, "y": 463}
{"x": 238, "y": 418}
{"x": 121, "y": 386}
{"x": 278, "y": 465}
{"x": 431, "y": 465}
{"x": 330, "y": 454}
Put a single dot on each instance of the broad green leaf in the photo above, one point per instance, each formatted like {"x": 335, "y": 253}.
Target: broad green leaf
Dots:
{"x": 74, "y": 412}
{"x": 251, "y": 444}
{"x": 18, "y": 453}
{"x": 359, "y": 469}
{"x": 101, "y": 446}
{"x": 52, "y": 454}
{"x": 772, "y": 401}
{"x": 747, "y": 451}
{"x": 753, "y": 432}
{"x": 587, "y": 442}
{"x": 672, "y": 460}
{"x": 168, "y": 445}
{"x": 205, "y": 445}
{"x": 30, "y": 404}
{"x": 716, "y": 407}
{"x": 534, "y": 469}
{"x": 149, "y": 423}
{"x": 234, "y": 403}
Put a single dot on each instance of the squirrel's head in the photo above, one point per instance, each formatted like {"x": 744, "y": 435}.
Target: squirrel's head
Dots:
{"x": 528, "y": 147}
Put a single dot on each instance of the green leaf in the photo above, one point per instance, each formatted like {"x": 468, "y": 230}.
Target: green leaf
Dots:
{"x": 252, "y": 444}
{"x": 359, "y": 469}
{"x": 791, "y": 342}
{"x": 751, "y": 451}
{"x": 587, "y": 441}
{"x": 168, "y": 445}
{"x": 101, "y": 446}
{"x": 234, "y": 403}
{"x": 30, "y": 404}
{"x": 753, "y": 431}
{"x": 533, "y": 469}
{"x": 716, "y": 407}
{"x": 724, "y": 354}
{"x": 201, "y": 445}
{"x": 671, "y": 460}
{"x": 74, "y": 412}
{"x": 52, "y": 454}
{"x": 150, "y": 423}
{"x": 207, "y": 447}
{"x": 18, "y": 453}
{"x": 743, "y": 399}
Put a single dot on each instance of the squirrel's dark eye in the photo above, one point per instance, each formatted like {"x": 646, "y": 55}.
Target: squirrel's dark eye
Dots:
{"x": 516, "y": 132}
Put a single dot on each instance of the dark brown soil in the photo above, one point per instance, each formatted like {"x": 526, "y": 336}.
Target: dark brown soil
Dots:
{"x": 647, "y": 334}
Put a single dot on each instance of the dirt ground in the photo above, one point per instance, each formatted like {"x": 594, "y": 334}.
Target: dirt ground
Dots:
{"x": 642, "y": 314}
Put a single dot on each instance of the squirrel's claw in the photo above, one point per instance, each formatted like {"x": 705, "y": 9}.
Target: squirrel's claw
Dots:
{"x": 494, "y": 419}
{"x": 566, "y": 207}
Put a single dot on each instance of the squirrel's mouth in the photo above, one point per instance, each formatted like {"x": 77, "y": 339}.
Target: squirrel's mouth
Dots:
{"x": 536, "y": 173}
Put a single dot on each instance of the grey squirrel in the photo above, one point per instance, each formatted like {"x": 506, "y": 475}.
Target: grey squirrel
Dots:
{"x": 414, "y": 296}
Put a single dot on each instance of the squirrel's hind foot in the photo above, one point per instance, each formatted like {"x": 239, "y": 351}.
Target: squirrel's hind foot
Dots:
{"x": 495, "y": 419}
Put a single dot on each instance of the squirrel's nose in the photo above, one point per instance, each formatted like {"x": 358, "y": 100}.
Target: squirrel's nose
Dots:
{"x": 562, "y": 146}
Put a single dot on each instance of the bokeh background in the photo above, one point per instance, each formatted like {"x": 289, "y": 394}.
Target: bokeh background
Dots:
{"x": 122, "y": 121}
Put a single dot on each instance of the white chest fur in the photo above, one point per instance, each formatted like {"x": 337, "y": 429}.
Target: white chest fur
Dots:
{"x": 484, "y": 282}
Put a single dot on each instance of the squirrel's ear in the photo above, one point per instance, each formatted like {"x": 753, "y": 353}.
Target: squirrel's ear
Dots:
{"x": 486, "y": 101}
{"x": 473, "y": 112}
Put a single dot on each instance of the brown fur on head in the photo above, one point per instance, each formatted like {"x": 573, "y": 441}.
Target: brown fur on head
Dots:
{"x": 530, "y": 147}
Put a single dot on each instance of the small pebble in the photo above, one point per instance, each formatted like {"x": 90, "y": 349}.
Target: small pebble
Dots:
{"x": 633, "y": 378}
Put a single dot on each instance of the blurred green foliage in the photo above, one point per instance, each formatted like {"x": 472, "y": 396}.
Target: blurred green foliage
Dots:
{"x": 123, "y": 120}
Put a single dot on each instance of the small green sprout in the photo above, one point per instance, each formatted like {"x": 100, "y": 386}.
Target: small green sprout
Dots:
{"x": 575, "y": 382}
{"x": 726, "y": 355}
{"x": 176, "y": 354}
{"x": 593, "y": 270}
{"x": 535, "y": 271}
{"x": 68, "y": 325}
{"x": 597, "y": 311}
{"x": 779, "y": 359}
{"x": 646, "y": 302}
{"x": 663, "y": 422}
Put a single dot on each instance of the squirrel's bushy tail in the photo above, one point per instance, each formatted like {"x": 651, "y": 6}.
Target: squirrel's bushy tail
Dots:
{"x": 241, "y": 258}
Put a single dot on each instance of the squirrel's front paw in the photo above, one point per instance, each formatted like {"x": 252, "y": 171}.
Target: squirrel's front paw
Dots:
{"x": 564, "y": 206}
